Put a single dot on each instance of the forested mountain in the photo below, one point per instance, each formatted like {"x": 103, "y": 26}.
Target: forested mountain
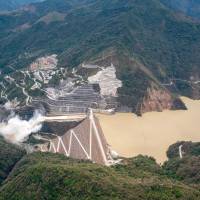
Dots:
{"x": 189, "y": 7}
{"x": 157, "y": 47}
{"x": 8, "y": 5}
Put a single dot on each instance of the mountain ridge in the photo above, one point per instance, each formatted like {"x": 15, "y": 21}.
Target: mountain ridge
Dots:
{"x": 10, "y": 5}
{"x": 152, "y": 47}
{"x": 190, "y": 8}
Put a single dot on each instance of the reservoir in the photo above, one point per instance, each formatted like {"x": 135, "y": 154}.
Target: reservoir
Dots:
{"x": 152, "y": 134}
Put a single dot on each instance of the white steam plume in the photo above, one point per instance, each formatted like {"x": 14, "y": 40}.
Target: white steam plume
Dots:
{"x": 16, "y": 130}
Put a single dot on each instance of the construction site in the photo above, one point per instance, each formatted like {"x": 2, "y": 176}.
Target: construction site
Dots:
{"x": 85, "y": 141}
{"x": 77, "y": 101}
{"x": 70, "y": 126}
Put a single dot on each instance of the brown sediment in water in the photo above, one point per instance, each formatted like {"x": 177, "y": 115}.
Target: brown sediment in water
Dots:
{"x": 152, "y": 133}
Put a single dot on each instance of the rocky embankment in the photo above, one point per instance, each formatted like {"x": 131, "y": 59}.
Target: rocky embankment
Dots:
{"x": 159, "y": 100}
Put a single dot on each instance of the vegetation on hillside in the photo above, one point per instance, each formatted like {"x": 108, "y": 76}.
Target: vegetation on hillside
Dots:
{"x": 51, "y": 176}
{"x": 188, "y": 148}
{"x": 149, "y": 42}
{"x": 9, "y": 5}
{"x": 9, "y": 155}
{"x": 186, "y": 169}
{"x": 191, "y": 8}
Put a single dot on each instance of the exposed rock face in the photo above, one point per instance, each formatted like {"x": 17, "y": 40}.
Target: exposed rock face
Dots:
{"x": 107, "y": 80}
{"x": 195, "y": 91}
{"x": 45, "y": 63}
{"x": 52, "y": 17}
{"x": 159, "y": 100}
{"x": 44, "y": 68}
{"x": 65, "y": 87}
{"x": 9, "y": 105}
{"x": 194, "y": 83}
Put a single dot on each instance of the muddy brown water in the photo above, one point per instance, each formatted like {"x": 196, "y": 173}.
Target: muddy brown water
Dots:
{"x": 152, "y": 133}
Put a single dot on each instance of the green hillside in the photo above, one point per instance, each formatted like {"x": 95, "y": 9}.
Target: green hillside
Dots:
{"x": 9, "y": 5}
{"x": 158, "y": 39}
{"x": 51, "y": 176}
{"x": 189, "y": 7}
{"x": 9, "y": 156}
{"x": 186, "y": 169}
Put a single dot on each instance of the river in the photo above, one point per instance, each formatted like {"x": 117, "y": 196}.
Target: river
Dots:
{"x": 152, "y": 134}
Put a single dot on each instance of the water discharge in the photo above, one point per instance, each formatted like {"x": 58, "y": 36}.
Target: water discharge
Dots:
{"x": 16, "y": 130}
{"x": 152, "y": 133}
